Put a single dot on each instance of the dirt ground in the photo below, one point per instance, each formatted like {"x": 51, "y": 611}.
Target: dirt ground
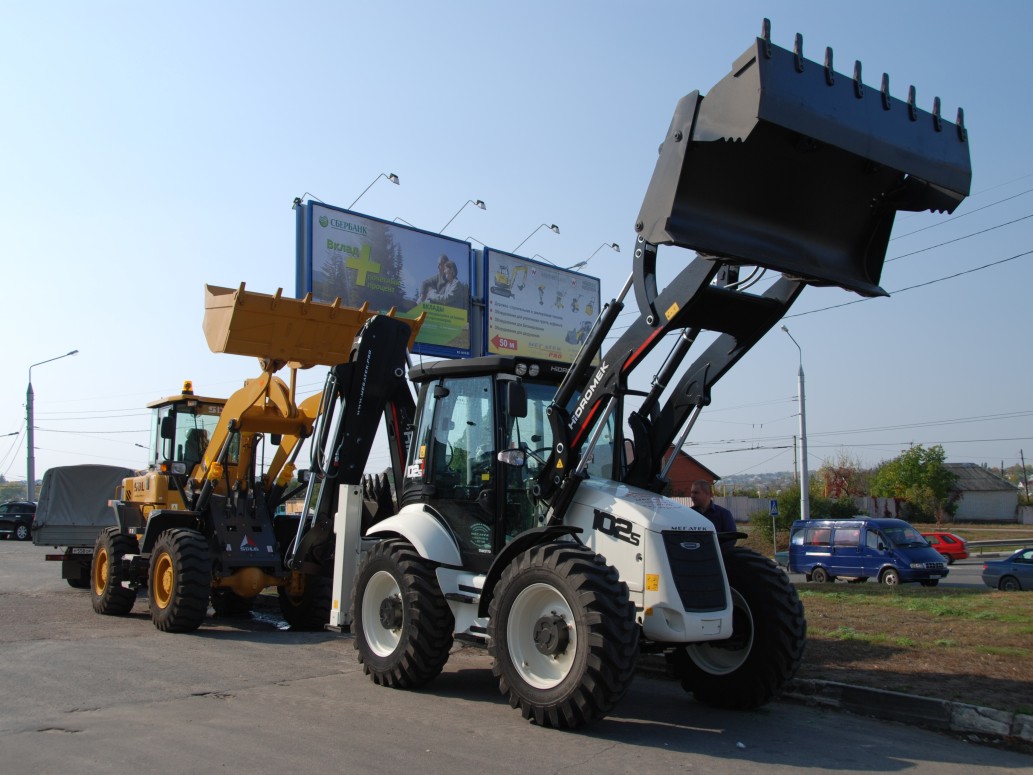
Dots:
{"x": 965, "y": 658}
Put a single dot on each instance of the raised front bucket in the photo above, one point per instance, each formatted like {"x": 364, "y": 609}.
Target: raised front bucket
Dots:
{"x": 789, "y": 165}
{"x": 282, "y": 329}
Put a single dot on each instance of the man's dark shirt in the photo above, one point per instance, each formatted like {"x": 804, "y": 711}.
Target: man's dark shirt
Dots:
{"x": 721, "y": 517}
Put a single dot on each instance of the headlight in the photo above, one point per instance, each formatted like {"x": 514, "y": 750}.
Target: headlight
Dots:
{"x": 918, "y": 566}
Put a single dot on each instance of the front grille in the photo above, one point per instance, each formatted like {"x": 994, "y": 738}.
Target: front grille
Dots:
{"x": 696, "y": 566}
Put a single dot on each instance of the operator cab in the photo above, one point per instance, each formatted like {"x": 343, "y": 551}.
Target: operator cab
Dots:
{"x": 472, "y": 410}
{"x": 180, "y": 429}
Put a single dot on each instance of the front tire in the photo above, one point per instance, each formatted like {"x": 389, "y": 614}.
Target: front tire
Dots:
{"x": 563, "y": 635}
{"x": 179, "y": 580}
{"x": 890, "y": 577}
{"x": 402, "y": 623}
{"x": 107, "y": 572}
{"x": 23, "y": 532}
{"x": 769, "y": 634}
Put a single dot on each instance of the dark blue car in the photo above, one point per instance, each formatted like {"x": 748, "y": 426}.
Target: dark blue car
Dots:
{"x": 1011, "y": 574}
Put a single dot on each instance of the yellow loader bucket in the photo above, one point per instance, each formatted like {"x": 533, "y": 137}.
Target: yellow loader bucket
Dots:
{"x": 282, "y": 329}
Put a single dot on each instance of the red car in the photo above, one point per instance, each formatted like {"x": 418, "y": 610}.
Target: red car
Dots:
{"x": 952, "y": 547}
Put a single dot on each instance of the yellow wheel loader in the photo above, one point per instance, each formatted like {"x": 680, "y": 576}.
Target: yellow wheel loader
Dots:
{"x": 198, "y": 527}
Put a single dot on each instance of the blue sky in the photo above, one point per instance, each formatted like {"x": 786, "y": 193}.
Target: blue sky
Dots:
{"x": 152, "y": 148}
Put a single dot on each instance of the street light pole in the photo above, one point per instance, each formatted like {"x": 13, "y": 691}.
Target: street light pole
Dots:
{"x": 553, "y": 228}
{"x": 389, "y": 175}
{"x": 30, "y": 471}
{"x": 475, "y": 202}
{"x": 805, "y": 501}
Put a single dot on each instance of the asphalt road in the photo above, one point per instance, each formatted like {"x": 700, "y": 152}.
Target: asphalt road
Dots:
{"x": 89, "y": 694}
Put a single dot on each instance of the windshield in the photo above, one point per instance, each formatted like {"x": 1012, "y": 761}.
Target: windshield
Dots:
{"x": 904, "y": 537}
{"x": 535, "y": 433}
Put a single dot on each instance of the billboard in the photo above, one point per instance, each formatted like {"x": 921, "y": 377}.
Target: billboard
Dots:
{"x": 342, "y": 254}
{"x": 536, "y": 310}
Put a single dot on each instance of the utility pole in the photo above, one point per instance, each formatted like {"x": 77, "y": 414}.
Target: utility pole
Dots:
{"x": 30, "y": 463}
{"x": 1025, "y": 479}
{"x": 805, "y": 507}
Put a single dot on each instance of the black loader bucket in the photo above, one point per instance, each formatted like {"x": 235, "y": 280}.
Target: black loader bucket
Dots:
{"x": 789, "y": 165}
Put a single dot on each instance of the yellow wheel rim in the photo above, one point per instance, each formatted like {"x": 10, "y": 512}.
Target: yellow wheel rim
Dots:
{"x": 101, "y": 569}
{"x": 163, "y": 580}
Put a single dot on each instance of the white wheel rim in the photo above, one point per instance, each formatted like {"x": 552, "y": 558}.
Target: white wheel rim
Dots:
{"x": 542, "y": 671}
{"x": 382, "y": 641}
{"x": 721, "y": 660}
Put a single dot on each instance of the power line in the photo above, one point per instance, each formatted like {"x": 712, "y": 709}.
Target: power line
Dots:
{"x": 943, "y": 221}
{"x": 957, "y": 239}
{"x": 913, "y": 287}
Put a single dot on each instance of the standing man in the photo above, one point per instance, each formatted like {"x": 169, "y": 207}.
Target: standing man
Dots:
{"x": 702, "y": 497}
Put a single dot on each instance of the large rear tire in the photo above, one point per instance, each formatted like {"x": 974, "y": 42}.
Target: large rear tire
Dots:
{"x": 768, "y": 638}
{"x": 563, "y": 635}
{"x": 108, "y": 595}
{"x": 401, "y": 621}
{"x": 305, "y": 602}
{"x": 179, "y": 580}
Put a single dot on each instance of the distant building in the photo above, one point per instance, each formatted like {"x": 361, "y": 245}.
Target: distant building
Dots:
{"x": 684, "y": 471}
{"x": 983, "y": 495}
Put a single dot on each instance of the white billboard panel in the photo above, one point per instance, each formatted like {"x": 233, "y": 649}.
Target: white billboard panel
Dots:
{"x": 537, "y": 310}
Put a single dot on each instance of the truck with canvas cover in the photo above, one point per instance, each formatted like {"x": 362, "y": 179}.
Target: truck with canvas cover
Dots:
{"x": 73, "y": 509}
{"x": 197, "y": 527}
{"x": 531, "y": 518}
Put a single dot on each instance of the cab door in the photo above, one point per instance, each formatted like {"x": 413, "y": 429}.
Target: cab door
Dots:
{"x": 452, "y": 464}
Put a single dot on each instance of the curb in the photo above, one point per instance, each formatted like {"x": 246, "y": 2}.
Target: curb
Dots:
{"x": 984, "y": 725}
{"x": 941, "y": 715}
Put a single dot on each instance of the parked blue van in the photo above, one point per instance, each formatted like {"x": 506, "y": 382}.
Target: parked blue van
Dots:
{"x": 862, "y": 548}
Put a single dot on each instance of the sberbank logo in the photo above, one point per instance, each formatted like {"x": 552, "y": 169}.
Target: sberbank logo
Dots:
{"x": 324, "y": 221}
{"x": 354, "y": 228}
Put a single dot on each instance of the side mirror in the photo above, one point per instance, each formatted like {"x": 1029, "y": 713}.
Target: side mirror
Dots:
{"x": 303, "y": 475}
{"x": 513, "y": 457}
{"x": 516, "y": 399}
{"x": 168, "y": 427}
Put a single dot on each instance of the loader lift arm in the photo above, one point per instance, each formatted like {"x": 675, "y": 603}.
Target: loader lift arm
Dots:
{"x": 785, "y": 165}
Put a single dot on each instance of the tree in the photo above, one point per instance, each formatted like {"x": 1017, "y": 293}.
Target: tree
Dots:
{"x": 918, "y": 479}
{"x": 844, "y": 477}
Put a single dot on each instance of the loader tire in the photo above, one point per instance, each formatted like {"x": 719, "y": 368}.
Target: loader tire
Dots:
{"x": 769, "y": 634}
{"x": 401, "y": 621}
{"x": 109, "y": 596}
{"x": 179, "y": 580}
{"x": 307, "y": 608}
{"x": 563, "y": 635}
{"x": 227, "y": 604}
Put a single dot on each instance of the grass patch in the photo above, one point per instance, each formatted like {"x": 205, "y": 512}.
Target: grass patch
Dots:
{"x": 1006, "y": 651}
{"x": 967, "y": 644}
